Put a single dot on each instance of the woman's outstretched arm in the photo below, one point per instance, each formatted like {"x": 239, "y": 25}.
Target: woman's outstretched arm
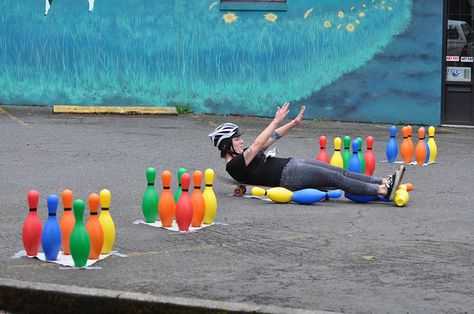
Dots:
{"x": 262, "y": 139}
{"x": 283, "y": 130}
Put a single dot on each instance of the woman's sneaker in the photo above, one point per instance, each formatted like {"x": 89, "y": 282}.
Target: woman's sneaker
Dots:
{"x": 393, "y": 182}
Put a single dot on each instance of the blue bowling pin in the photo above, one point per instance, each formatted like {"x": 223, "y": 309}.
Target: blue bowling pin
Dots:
{"x": 310, "y": 196}
{"x": 392, "y": 146}
{"x": 354, "y": 162}
{"x": 427, "y": 159}
{"x": 51, "y": 236}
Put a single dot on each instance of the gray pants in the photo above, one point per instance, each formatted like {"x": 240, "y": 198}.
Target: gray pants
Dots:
{"x": 304, "y": 173}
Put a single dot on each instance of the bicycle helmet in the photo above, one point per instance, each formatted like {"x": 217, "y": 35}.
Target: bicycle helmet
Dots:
{"x": 224, "y": 131}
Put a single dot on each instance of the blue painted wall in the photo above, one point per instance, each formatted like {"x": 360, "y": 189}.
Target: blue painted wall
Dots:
{"x": 353, "y": 60}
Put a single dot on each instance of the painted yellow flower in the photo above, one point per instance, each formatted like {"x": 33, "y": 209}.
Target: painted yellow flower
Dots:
{"x": 213, "y": 5}
{"x": 350, "y": 27}
{"x": 361, "y": 14}
{"x": 308, "y": 13}
{"x": 230, "y": 17}
{"x": 271, "y": 17}
{"x": 340, "y": 14}
{"x": 339, "y": 26}
{"x": 327, "y": 24}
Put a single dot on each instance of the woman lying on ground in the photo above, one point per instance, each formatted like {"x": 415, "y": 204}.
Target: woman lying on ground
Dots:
{"x": 251, "y": 166}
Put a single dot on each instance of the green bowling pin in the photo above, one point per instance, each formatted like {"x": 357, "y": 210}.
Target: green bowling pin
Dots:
{"x": 177, "y": 194}
{"x": 360, "y": 155}
{"x": 79, "y": 242}
{"x": 150, "y": 197}
{"x": 346, "y": 154}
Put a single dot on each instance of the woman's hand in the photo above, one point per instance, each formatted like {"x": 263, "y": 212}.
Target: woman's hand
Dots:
{"x": 281, "y": 113}
{"x": 300, "y": 115}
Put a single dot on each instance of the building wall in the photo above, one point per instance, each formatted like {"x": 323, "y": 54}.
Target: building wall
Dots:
{"x": 351, "y": 60}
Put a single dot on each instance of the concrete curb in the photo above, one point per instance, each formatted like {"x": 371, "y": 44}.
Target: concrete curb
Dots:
{"x": 115, "y": 110}
{"x": 36, "y": 297}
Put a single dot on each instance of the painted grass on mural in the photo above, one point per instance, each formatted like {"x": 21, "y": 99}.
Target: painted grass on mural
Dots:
{"x": 165, "y": 51}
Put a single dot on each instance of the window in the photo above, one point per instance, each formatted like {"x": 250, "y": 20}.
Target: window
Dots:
{"x": 253, "y": 5}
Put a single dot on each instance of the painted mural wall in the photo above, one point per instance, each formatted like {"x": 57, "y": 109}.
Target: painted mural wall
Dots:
{"x": 351, "y": 60}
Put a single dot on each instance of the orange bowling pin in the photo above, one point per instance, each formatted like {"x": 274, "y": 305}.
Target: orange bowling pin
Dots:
{"x": 166, "y": 205}
{"x": 420, "y": 150}
{"x": 67, "y": 221}
{"x": 410, "y": 140}
{"x": 197, "y": 200}
{"x": 94, "y": 228}
{"x": 405, "y": 146}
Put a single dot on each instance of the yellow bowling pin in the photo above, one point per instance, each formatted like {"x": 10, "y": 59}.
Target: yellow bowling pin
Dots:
{"x": 336, "y": 159}
{"x": 278, "y": 194}
{"x": 209, "y": 197}
{"x": 106, "y": 221}
{"x": 432, "y": 144}
{"x": 401, "y": 196}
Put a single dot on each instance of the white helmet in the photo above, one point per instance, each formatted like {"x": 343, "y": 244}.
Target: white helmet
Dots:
{"x": 223, "y": 131}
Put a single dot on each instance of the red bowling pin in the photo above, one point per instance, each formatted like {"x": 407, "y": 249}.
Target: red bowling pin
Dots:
{"x": 405, "y": 146}
{"x": 369, "y": 157}
{"x": 32, "y": 227}
{"x": 323, "y": 154}
{"x": 420, "y": 150}
{"x": 197, "y": 200}
{"x": 184, "y": 207}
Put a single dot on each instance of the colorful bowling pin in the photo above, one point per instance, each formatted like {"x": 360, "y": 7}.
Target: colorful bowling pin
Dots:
{"x": 310, "y": 196}
{"x": 197, "y": 200}
{"x": 401, "y": 196}
{"x": 420, "y": 149}
{"x": 32, "y": 227}
{"x": 150, "y": 197}
{"x": 427, "y": 158}
{"x": 361, "y": 156}
{"x": 177, "y": 194}
{"x": 323, "y": 154}
{"x": 184, "y": 207}
{"x": 369, "y": 157}
{"x": 432, "y": 144}
{"x": 209, "y": 197}
{"x": 346, "y": 155}
{"x": 276, "y": 194}
{"x": 354, "y": 162}
{"x": 67, "y": 221}
{"x": 80, "y": 242}
{"x": 405, "y": 146}
{"x": 166, "y": 205}
{"x": 106, "y": 221}
{"x": 336, "y": 159}
{"x": 392, "y": 146}
{"x": 94, "y": 228}
{"x": 410, "y": 140}
{"x": 51, "y": 237}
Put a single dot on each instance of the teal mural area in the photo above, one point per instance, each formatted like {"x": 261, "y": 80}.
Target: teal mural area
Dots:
{"x": 157, "y": 53}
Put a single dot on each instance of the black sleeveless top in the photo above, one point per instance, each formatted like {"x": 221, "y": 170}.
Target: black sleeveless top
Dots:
{"x": 261, "y": 171}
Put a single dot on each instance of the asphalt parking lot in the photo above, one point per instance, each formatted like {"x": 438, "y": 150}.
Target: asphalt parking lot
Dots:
{"x": 335, "y": 256}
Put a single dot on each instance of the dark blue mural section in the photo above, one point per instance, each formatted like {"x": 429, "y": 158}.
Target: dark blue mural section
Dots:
{"x": 353, "y": 60}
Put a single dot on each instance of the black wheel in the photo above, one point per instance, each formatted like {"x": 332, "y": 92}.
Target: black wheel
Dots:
{"x": 238, "y": 191}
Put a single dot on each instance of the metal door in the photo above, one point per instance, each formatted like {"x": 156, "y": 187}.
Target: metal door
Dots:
{"x": 459, "y": 92}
